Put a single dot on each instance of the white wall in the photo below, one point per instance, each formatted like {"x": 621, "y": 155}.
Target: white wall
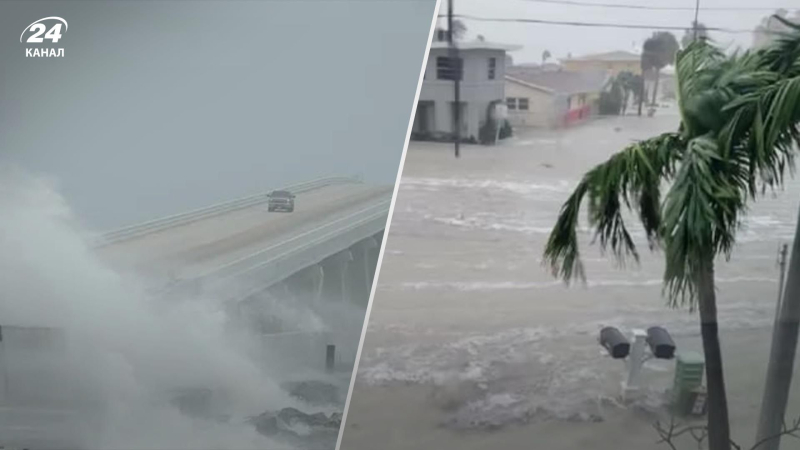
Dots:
{"x": 542, "y": 111}
{"x": 477, "y": 91}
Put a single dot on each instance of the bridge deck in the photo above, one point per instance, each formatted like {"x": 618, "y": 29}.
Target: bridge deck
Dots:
{"x": 188, "y": 249}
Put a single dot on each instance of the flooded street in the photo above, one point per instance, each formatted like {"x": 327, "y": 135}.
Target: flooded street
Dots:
{"x": 473, "y": 344}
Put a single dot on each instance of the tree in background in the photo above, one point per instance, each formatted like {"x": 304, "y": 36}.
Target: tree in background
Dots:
{"x": 615, "y": 99}
{"x": 459, "y": 29}
{"x": 545, "y": 56}
{"x": 611, "y": 99}
{"x": 658, "y": 52}
{"x": 739, "y": 127}
{"x": 688, "y": 35}
{"x": 631, "y": 88}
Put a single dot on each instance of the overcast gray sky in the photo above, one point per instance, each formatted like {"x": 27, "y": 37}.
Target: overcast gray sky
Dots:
{"x": 162, "y": 106}
{"x": 561, "y": 40}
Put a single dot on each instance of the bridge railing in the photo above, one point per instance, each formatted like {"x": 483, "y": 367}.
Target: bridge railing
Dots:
{"x": 275, "y": 263}
{"x": 133, "y": 231}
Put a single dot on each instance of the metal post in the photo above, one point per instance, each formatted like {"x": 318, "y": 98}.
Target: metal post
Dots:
{"x": 456, "y": 67}
{"x": 635, "y": 362}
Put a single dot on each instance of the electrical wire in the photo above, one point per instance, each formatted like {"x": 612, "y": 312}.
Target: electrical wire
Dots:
{"x": 659, "y": 8}
{"x": 607, "y": 25}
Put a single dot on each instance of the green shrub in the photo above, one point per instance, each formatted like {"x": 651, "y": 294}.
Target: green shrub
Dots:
{"x": 506, "y": 131}
{"x": 487, "y": 133}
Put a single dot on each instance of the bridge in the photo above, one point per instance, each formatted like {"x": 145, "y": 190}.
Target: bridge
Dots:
{"x": 322, "y": 257}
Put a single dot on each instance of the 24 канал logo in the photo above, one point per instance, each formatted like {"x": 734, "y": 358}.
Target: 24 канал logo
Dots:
{"x": 43, "y": 30}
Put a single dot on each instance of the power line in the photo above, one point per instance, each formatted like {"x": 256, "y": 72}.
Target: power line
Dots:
{"x": 606, "y": 25}
{"x": 659, "y": 8}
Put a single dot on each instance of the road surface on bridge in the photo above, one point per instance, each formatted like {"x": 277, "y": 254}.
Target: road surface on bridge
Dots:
{"x": 186, "y": 250}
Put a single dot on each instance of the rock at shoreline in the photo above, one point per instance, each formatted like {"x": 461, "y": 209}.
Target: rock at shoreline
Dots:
{"x": 281, "y": 423}
{"x": 315, "y": 392}
{"x": 266, "y": 423}
{"x": 292, "y": 416}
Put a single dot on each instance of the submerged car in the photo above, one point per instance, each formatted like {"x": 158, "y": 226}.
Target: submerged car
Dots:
{"x": 280, "y": 201}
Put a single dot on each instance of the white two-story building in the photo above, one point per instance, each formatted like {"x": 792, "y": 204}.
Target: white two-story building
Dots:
{"x": 482, "y": 83}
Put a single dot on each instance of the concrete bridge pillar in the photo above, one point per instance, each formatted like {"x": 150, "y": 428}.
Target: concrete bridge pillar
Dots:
{"x": 306, "y": 286}
{"x": 362, "y": 270}
{"x": 317, "y": 275}
{"x": 253, "y": 311}
{"x": 334, "y": 280}
{"x": 281, "y": 290}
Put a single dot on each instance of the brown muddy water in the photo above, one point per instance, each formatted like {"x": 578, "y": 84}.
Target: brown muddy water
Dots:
{"x": 471, "y": 342}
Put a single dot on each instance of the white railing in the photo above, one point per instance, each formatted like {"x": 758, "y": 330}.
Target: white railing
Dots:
{"x": 133, "y": 231}
{"x": 277, "y": 262}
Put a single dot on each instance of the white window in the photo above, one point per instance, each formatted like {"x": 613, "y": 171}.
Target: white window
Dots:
{"x": 522, "y": 103}
{"x": 511, "y": 102}
{"x": 492, "y": 68}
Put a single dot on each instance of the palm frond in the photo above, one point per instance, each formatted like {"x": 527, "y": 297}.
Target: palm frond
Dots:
{"x": 632, "y": 179}
{"x": 783, "y": 54}
{"x": 695, "y": 72}
{"x": 739, "y": 129}
{"x": 763, "y": 129}
{"x": 561, "y": 251}
{"x": 701, "y": 213}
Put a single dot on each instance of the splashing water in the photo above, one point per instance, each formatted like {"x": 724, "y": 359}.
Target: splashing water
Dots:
{"x": 125, "y": 353}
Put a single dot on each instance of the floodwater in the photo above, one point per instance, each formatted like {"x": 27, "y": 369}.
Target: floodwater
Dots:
{"x": 473, "y": 344}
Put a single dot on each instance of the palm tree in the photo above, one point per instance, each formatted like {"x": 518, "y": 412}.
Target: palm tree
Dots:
{"x": 782, "y": 111}
{"x": 658, "y": 52}
{"x": 545, "y": 56}
{"x": 459, "y": 29}
{"x": 631, "y": 85}
{"x": 739, "y": 119}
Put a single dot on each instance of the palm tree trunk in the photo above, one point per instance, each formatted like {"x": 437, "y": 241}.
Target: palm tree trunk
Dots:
{"x": 782, "y": 354}
{"x": 718, "y": 426}
{"x": 655, "y": 86}
{"x": 642, "y": 94}
{"x": 625, "y": 100}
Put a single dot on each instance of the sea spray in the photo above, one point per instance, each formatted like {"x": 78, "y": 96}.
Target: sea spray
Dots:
{"x": 127, "y": 352}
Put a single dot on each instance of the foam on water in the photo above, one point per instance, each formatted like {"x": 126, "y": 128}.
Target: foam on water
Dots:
{"x": 511, "y": 377}
{"x": 520, "y": 375}
{"x": 510, "y": 186}
{"x": 468, "y": 286}
{"x": 493, "y": 223}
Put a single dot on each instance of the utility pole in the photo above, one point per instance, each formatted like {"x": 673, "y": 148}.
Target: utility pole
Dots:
{"x": 456, "y": 69}
{"x": 780, "y": 369}
{"x": 696, "y": 14}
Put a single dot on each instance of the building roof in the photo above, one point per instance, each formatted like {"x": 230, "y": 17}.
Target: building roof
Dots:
{"x": 561, "y": 82}
{"x": 615, "y": 56}
{"x": 542, "y": 67}
{"x": 476, "y": 45}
